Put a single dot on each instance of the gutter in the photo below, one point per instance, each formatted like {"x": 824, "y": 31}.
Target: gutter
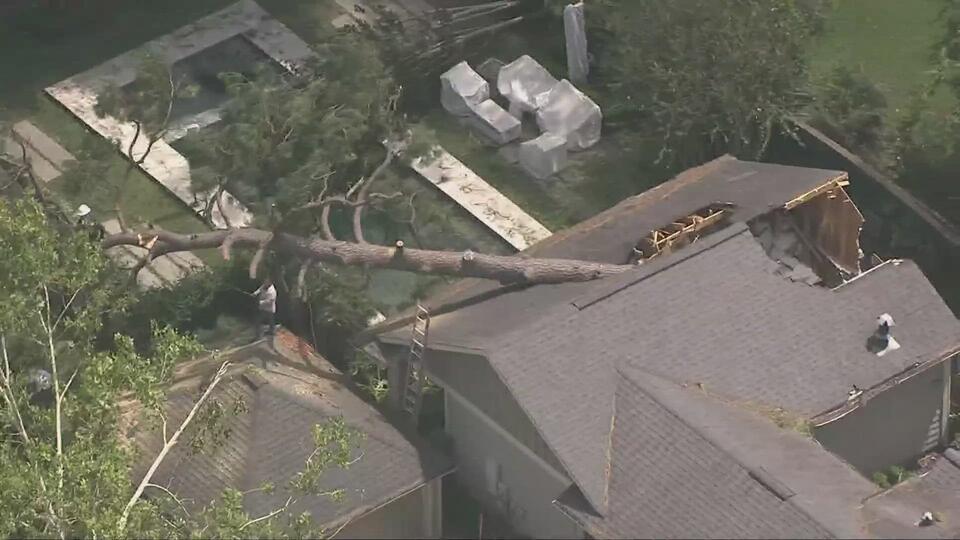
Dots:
{"x": 839, "y": 411}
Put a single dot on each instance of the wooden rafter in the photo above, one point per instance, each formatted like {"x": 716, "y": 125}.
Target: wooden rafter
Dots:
{"x": 681, "y": 231}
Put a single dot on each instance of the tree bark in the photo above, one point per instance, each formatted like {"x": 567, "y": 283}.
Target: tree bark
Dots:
{"x": 505, "y": 269}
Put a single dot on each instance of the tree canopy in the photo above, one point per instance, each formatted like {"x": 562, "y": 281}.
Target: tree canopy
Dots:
{"x": 703, "y": 76}
{"x": 65, "y": 467}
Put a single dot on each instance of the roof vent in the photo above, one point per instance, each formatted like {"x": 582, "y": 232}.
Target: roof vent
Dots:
{"x": 927, "y": 519}
{"x": 882, "y": 342}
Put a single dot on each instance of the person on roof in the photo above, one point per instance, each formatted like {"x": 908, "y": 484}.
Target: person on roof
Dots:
{"x": 266, "y": 307}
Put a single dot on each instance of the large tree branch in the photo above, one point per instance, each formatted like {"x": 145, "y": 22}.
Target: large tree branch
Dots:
{"x": 364, "y": 192}
{"x": 58, "y": 396}
{"x": 168, "y": 445}
{"x": 506, "y": 269}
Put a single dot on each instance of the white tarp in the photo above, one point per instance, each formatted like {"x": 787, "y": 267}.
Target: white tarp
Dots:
{"x": 569, "y": 112}
{"x": 524, "y": 82}
{"x": 461, "y": 88}
{"x": 494, "y": 123}
{"x": 575, "y": 34}
{"x": 544, "y": 156}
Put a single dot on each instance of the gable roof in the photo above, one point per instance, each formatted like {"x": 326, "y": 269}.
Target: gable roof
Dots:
{"x": 284, "y": 398}
{"x": 684, "y": 465}
{"x": 895, "y": 512}
{"x": 715, "y": 313}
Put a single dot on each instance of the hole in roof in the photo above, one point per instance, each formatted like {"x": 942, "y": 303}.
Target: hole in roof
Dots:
{"x": 681, "y": 231}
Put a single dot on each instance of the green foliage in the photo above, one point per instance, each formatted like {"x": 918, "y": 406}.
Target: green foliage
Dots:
{"x": 891, "y": 476}
{"x": 195, "y": 301}
{"x": 65, "y": 465}
{"x": 369, "y": 377}
{"x": 284, "y": 138}
{"x": 334, "y": 443}
{"x": 148, "y": 100}
{"x": 854, "y": 106}
{"x": 705, "y": 76}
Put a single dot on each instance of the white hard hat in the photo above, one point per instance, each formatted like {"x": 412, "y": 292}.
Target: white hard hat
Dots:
{"x": 83, "y": 210}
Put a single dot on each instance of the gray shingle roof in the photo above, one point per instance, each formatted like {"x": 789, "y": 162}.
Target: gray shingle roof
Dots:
{"x": 671, "y": 481}
{"x": 272, "y": 440}
{"x": 714, "y": 313}
{"x": 895, "y": 512}
{"x": 754, "y": 189}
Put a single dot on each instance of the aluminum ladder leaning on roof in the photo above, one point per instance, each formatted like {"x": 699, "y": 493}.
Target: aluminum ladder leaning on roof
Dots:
{"x": 412, "y": 399}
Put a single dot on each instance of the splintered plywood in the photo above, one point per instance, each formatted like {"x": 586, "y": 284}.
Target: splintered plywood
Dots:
{"x": 482, "y": 200}
{"x": 832, "y": 222}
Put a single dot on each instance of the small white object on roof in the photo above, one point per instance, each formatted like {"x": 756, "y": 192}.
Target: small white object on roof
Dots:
{"x": 885, "y": 318}
{"x": 494, "y": 123}
{"x": 569, "y": 112}
{"x": 461, "y": 88}
{"x": 83, "y": 210}
{"x": 544, "y": 156}
{"x": 525, "y": 83}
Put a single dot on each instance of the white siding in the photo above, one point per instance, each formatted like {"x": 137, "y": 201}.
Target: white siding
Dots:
{"x": 895, "y": 427}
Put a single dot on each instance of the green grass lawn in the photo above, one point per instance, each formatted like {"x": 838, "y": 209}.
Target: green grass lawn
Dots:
{"x": 891, "y": 41}
{"x": 619, "y": 166}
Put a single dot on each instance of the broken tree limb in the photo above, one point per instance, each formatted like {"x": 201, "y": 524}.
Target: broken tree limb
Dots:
{"x": 505, "y": 269}
{"x": 363, "y": 194}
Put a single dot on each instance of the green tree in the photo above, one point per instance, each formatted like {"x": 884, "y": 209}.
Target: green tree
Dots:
{"x": 65, "y": 470}
{"x": 703, "y": 76}
{"x": 853, "y": 107}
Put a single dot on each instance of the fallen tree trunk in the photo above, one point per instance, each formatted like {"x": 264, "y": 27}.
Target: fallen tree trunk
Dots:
{"x": 505, "y": 269}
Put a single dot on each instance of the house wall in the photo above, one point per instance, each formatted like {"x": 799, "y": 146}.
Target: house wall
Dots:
{"x": 505, "y": 475}
{"x": 415, "y": 515}
{"x": 894, "y": 428}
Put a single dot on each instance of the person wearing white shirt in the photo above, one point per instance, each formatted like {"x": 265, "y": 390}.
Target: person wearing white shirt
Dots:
{"x": 266, "y": 307}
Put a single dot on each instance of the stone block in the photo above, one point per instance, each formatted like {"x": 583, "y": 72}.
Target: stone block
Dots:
{"x": 569, "y": 112}
{"x": 544, "y": 156}
{"x": 461, "y": 88}
{"x": 525, "y": 83}
{"x": 494, "y": 123}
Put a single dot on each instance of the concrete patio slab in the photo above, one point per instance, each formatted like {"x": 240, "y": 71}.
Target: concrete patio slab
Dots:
{"x": 79, "y": 93}
{"x": 482, "y": 200}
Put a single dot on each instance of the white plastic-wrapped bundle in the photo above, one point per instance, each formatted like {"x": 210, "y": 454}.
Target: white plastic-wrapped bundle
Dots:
{"x": 525, "y": 83}
{"x": 544, "y": 156}
{"x": 494, "y": 123}
{"x": 461, "y": 88}
{"x": 569, "y": 112}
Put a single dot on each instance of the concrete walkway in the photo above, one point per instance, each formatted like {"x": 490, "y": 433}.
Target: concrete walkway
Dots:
{"x": 79, "y": 93}
{"x": 494, "y": 210}
{"x": 46, "y": 157}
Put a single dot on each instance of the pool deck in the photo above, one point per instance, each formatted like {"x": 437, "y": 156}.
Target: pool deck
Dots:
{"x": 164, "y": 164}
{"x": 482, "y": 200}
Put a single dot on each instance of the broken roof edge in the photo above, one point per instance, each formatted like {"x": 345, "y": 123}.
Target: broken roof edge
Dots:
{"x": 848, "y": 406}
